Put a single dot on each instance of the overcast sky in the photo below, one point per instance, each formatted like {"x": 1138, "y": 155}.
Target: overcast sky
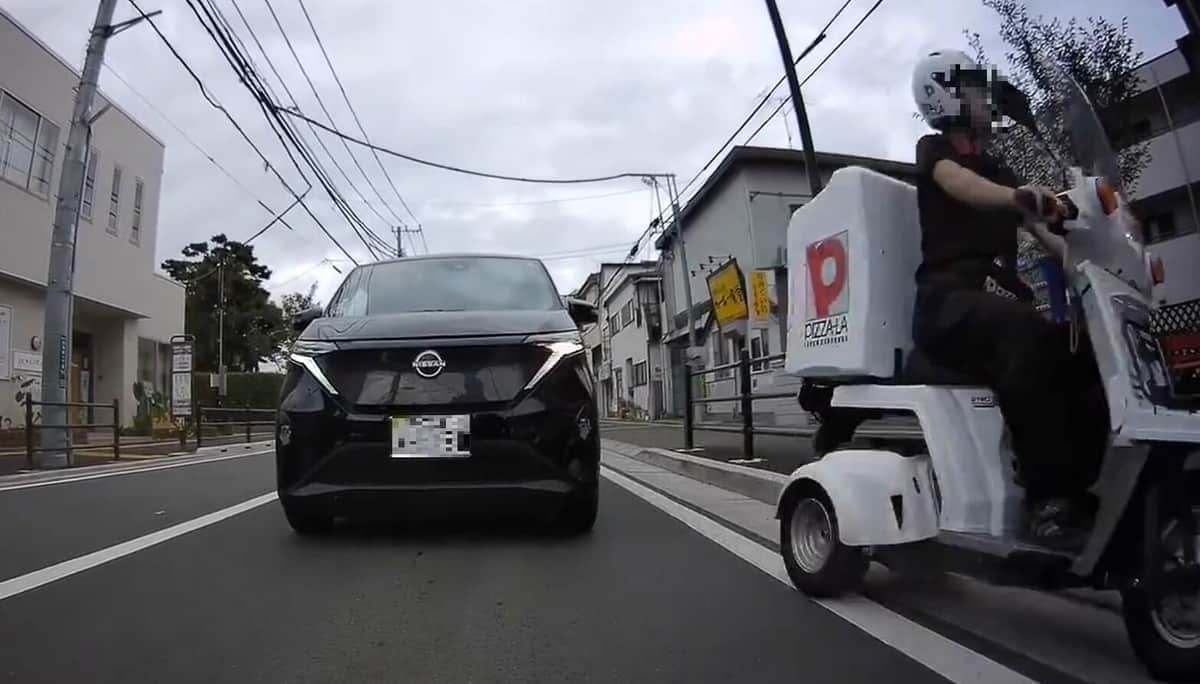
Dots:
{"x": 527, "y": 87}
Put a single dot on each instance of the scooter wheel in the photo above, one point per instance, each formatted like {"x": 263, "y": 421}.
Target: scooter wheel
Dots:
{"x": 817, "y": 562}
{"x": 1170, "y": 651}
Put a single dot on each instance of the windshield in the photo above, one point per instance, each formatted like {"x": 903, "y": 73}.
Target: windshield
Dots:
{"x": 447, "y": 284}
{"x": 1087, "y": 137}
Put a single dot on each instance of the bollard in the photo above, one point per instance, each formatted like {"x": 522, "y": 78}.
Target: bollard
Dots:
{"x": 198, "y": 423}
{"x": 747, "y": 406}
{"x": 687, "y": 407}
{"x": 117, "y": 430}
{"x": 246, "y": 414}
{"x": 29, "y": 431}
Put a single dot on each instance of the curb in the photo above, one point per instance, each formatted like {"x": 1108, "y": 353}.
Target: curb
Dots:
{"x": 761, "y": 485}
{"x": 226, "y": 448}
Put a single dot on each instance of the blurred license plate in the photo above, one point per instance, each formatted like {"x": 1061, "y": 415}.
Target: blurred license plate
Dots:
{"x": 431, "y": 436}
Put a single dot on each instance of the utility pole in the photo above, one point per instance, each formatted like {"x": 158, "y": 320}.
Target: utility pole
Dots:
{"x": 399, "y": 241}
{"x": 221, "y": 330}
{"x": 60, "y": 277}
{"x": 677, "y": 214}
{"x": 789, "y": 68}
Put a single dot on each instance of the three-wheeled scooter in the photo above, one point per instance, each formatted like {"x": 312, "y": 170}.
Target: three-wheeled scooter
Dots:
{"x": 951, "y": 501}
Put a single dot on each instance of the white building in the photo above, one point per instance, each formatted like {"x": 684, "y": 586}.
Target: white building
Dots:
{"x": 741, "y": 213}
{"x": 1166, "y": 115}
{"x": 124, "y": 312}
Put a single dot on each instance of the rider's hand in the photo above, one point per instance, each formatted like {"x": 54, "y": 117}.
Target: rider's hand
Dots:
{"x": 1036, "y": 202}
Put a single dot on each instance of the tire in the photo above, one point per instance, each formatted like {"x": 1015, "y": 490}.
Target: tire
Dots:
{"x": 307, "y": 520}
{"x": 822, "y": 567}
{"x": 579, "y": 513}
{"x": 1167, "y": 654}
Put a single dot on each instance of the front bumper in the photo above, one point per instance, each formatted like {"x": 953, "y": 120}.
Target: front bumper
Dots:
{"x": 536, "y": 450}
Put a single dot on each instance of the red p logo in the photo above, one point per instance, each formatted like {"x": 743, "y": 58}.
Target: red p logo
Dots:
{"x": 827, "y": 271}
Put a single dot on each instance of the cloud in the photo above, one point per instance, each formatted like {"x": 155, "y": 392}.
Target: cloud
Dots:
{"x": 532, "y": 87}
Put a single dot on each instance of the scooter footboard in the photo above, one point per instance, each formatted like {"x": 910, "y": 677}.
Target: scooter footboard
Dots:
{"x": 879, "y": 497}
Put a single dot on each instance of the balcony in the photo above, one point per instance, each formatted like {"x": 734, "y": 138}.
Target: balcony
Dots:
{"x": 1165, "y": 171}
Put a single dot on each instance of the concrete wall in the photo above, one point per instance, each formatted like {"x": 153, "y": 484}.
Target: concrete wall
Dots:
{"x": 1166, "y": 169}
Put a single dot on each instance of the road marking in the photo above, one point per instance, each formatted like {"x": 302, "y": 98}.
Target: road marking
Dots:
{"x": 944, "y": 656}
{"x": 37, "y": 578}
{"x": 130, "y": 471}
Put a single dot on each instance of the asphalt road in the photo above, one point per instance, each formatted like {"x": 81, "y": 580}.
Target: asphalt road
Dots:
{"x": 237, "y": 597}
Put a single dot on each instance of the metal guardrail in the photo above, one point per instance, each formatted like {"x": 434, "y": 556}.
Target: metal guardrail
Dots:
{"x": 31, "y": 428}
{"x": 239, "y": 417}
{"x": 743, "y": 365}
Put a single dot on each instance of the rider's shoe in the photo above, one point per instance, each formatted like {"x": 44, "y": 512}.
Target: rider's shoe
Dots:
{"x": 1060, "y": 524}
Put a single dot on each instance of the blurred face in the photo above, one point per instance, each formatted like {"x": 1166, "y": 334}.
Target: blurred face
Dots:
{"x": 977, "y": 102}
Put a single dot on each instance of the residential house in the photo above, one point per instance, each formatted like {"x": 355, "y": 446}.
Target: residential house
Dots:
{"x": 124, "y": 312}
{"x": 741, "y": 213}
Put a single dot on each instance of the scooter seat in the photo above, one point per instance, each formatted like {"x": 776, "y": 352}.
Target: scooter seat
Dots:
{"x": 919, "y": 369}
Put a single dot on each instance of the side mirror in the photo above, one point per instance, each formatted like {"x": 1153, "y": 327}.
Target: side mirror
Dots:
{"x": 581, "y": 312}
{"x": 301, "y": 320}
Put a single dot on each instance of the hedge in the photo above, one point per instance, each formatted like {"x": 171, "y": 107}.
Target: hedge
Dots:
{"x": 256, "y": 390}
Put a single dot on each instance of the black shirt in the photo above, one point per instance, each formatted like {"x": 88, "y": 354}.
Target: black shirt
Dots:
{"x": 962, "y": 245}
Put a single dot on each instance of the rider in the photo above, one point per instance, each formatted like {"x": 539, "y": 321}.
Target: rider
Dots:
{"x": 973, "y": 313}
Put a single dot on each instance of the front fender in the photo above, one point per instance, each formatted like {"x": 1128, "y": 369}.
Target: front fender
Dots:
{"x": 879, "y": 497}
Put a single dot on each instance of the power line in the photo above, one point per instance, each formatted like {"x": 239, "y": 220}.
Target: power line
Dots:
{"x": 557, "y": 200}
{"x": 218, "y": 106}
{"x": 258, "y": 88}
{"x": 350, "y": 215}
{"x": 817, "y": 68}
{"x": 354, "y": 113}
{"x": 321, "y": 103}
{"x": 145, "y": 100}
{"x": 459, "y": 169}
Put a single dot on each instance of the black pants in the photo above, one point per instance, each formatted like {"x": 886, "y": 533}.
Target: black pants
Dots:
{"x": 1046, "y": 395}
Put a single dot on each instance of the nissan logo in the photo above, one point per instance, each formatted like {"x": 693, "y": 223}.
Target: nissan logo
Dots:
{"x": 428, "y": 364}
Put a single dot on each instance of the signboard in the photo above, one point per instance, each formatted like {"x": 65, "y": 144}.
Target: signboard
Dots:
{"x": 181, "y": 375}
{"x": 727, "y": 290}
{"x": 27, "y": 362}
{"x": 760, "y": 298}
{"x": 181, "y": 394}
{"x": 181, "y": 357}
{"x": 827, "y": 306}
{"x": 5, "y": 341}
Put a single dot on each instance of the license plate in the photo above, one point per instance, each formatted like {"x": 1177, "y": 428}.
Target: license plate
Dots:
{"x": 431, "y": 436}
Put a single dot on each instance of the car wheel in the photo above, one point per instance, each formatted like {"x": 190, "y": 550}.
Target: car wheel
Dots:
{"x": 579, "y": 514}
{"x": 817, "y": 562}
{"x": 306, "y": 520}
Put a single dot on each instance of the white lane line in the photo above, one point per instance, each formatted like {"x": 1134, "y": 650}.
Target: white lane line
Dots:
{"x": 944, "y": 656}
{"x": 129, "y": 471}
{"x": 37, "y": 578}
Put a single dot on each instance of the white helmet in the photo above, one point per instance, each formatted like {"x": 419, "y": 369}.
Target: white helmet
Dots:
{"x": 935, "y": 85}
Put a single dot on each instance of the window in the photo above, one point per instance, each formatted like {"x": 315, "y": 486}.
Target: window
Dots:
{"x": 759, "y": 347}
{"x": 614, "y": 323}
{"x": 720, "y": 356}
{"x": 89, "y": 186}
{"x": 28, "y": 143}
{"x": 135, "y": 230}
{"x": 114, "y": 200}
{"x": 627, "y": 313}
{"x": 1160, "y": 227}
{"x": 640, "y": 376}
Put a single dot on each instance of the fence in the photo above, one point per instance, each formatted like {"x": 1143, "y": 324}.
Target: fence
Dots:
{"x": 31, "y": 429}
{"x": 744, "y": 395}
{"x": 1178, "y": 329}
{"x": 237, "y": 417}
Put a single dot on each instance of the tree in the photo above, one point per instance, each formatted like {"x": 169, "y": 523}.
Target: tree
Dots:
{"x": 292, "y": 304}
{"x": 254, "y": 326}
{"x": 1099, "y": 56}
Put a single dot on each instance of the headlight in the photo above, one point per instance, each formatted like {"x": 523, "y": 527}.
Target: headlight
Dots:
{"x": 304, "y": 353}
{"x": 313, "y": 347}
{"x": 560, "y": 346}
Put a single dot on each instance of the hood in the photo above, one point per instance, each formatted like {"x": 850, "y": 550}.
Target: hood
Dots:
{"x": 439, "y": 324}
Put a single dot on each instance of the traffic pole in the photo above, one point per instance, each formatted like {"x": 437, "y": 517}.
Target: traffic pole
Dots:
{"x": 60, "y": 277}
{"x": 789, "y": 68}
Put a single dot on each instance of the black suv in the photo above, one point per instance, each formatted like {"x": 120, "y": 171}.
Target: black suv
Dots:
{"x": 440, "y": 384}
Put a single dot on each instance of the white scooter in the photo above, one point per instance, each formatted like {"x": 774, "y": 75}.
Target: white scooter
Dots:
{"x": 951, "y": 502}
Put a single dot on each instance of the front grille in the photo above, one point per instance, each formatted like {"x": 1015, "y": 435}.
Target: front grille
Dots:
{"x": 472, "y": 376}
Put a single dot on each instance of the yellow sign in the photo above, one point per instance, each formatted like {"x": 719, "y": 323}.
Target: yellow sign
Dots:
{"x": 760, "y": 299}
{"x": 727, "y": 290}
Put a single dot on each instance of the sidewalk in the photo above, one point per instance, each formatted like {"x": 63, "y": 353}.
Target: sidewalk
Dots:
{"x": 136, "y": 449}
